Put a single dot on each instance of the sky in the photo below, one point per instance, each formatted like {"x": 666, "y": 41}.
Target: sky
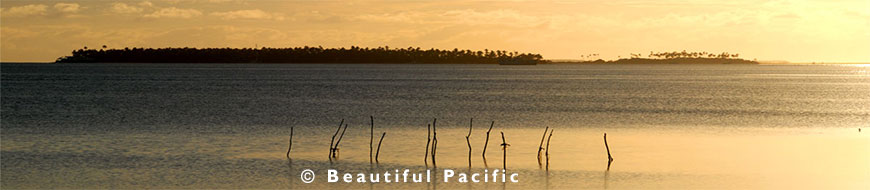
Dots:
{"x": 766, "y": 30}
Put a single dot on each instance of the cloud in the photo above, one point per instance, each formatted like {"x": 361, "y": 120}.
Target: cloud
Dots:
{"x": 67, "y": 7}
{"x": 26, "y": 10}
{"x": 202, "y": 1}
{"x": 173, "y": 12}
{"x": 248, "y": 14}
{"x": 498, "y": 17}
{"x": 501, "y": 17}
{"x": 401, "y": 17}
{"x": 222, "y": 1}
{"x": 146, "y": 4}
{"x": 124, "y": 8}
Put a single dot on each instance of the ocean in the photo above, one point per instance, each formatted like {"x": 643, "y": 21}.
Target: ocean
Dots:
{"x": 228, "y": 125}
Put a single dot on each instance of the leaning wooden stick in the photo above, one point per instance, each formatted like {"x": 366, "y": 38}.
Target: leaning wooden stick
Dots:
{"x": 378, "y": 154}
{"x": 541, "y": 146}
{"x": 504, "y": 146}
{"x": 331, "y": 142}
{"x": 291, "y": 143}
{"x": 428, "y": 141}
{"x": 434, "y": 146}
{"x": 371, "y": 138}
{"x": 487, "y": 140}
{"x": 434, "y": 142}
{"x": 335, "y": 149}
{"x": 548, "y": 149}
{"x": 609, "y": 158}
{"x": 468, "y": 140}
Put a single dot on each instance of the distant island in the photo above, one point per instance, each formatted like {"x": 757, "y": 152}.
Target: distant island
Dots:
{"x": 356, "y": 54}
{"x": 674, "y": 57}
{"x": 305, "y": 54}
{"x": 684, "y": 60}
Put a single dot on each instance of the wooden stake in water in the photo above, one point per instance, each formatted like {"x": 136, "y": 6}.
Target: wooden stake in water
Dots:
{"x": 504, "y": 146}
{"x": 378, "y": 154}
{"x": 434, "y": 142}
{"x": 428, "y": 141}
{"x": 291, "y": 143}
{"x": 468, "y": 140}
{"x": 335, "y": 149}
{"x": 371, "y": 138}
{"x": 609, "y": 158}
{"x": 541, "y": 146}
{"x": 548, "y": 149}
{"x": 331, "y": 142}
{"x": 486, "y": 142}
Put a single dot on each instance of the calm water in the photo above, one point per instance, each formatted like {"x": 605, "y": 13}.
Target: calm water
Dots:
{"x": 226, "y": 126}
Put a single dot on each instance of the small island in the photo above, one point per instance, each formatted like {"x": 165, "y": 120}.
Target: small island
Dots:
{"x": 674, "y": 57}
{"x": 356, "y": 54}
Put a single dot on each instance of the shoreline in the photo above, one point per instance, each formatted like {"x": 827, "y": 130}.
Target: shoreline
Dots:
{"x": 549, "y": 63}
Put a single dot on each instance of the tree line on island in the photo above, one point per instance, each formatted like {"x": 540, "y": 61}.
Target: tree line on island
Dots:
{"x": 685, "y": 54}
{"x": 356, "y": 54}
{"x": 306, "y": 54}
{"x": 675, "y": 57}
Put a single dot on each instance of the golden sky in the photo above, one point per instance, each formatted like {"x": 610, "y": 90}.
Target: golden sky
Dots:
{"x": 796, "y": 31}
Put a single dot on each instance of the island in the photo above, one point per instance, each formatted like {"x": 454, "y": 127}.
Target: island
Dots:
{"x": 305, "y": 54}
{"x": 675, "y": 57}
{"x": 356, "y": 54}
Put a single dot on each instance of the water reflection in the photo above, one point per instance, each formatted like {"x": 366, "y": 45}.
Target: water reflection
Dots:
{"x": 291, "y": 177}
{"x": 647, "y": 159}
{"x": 606, "y": 175}
{"x": 547, "y": 180}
